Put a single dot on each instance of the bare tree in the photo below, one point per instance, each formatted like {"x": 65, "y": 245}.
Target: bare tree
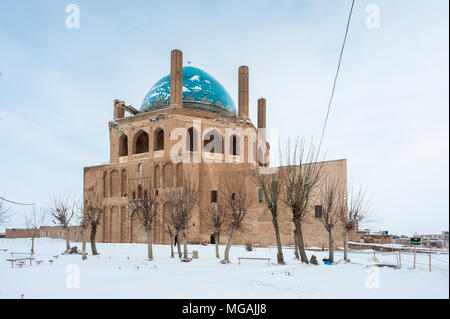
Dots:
{"x": 301, "y": 176}
{"x": 63, "y": 210}
{"x": 329, "y": 199}
{"x": 34, "y": 219}
{"x": 217, "y": 213}
{"x": 94, "y": 211}
{"x": 352, "y": 212}
{"x": 296, "y": 251}
{"x": 145, "y": 205}
{"x": 239, "y": 202}
{"x": 83, "y": 221}
{"x": 5, "y": 213}
{"x": 170, "y": 231}
{"x": 174, "y": 220}
{"x": 183, "y": 200}
{"x": 270, "y": 185}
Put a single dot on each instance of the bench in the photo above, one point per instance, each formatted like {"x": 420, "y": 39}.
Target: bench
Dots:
{"x": 254, "y": 258}
{"x": 13, "y": 260}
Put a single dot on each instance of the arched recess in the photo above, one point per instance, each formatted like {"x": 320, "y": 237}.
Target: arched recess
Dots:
{"x": 168, "y": 175}
{"x": 123, "y": 225}
{"x": 105, "y": 226}
{"x": 105, "y": 184}
{"x": 158, "y": 138}
{"x": 156, "y": 177}
{"x": 140, "y": 192}
{"x": 115, "y": 225}
{"x": 213, "y": 141}
{"x": 124, "y": 183}
{"x": 165, "y": 215}
{"x": 250, "y": 150}
{"x": 141, "y": 142}
{"x": 123, "y": 145}
{"x": 191, "y": 136}
{"x": 179, "y": 174}
{"x": 115, "y": 183}
{"x": 234, "y": 144}
{"x": 138, "y": 234}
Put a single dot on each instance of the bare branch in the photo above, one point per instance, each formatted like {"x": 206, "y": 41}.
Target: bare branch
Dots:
{"x": 5, "y": 213}
{"x": 330, "y": 196}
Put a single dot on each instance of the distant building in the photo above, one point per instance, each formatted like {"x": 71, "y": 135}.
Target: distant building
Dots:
{"x": 380, "y": 237}
{"x": 435, "y": 240}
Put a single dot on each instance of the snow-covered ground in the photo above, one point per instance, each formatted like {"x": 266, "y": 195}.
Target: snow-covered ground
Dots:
{"x": 121, "y": 271}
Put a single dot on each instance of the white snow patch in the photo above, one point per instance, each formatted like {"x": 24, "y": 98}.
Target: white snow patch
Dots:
{"x": 122, "y": 271}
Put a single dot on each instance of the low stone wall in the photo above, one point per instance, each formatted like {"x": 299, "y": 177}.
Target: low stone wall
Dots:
{"x": 46, "y": 232}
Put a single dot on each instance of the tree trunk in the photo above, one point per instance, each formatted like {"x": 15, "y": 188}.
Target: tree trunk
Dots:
{"x": 32, "y": 245}
{"x": 66, "y": 230}
{"x": 185, "y": 249}
{"x": 230, "y": 242}
{"x": 149, "y": 244}
{"x": 178, "y": 245}
{"x": 216, "y": 240}
{"x": 92, "y": 237}
{"x": 297, "y": 256}
{"x": 301, "y": 246}
{"x": 331, "y": 244}
{"x": 172, "y": 255}
{"x": 280, "y": 256}
{"x": 345, "y": 244}
{"x": 83, "y": 239}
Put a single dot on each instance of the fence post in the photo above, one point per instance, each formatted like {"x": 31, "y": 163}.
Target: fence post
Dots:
{"x": 415, "y": 248}
{"x": 400, "y": 258}
{"x": 430, "y": 261}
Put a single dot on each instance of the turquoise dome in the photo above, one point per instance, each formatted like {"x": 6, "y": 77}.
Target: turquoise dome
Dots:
{"x": 200, "y": 91}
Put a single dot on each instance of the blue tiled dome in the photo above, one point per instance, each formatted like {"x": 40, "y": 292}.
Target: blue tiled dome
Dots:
{"x": 200, "y": 91}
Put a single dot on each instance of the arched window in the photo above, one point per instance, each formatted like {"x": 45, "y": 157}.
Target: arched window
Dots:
{"x": 159, "y": 140}
{"x": 157, "y": 176}
{"x": 124, "y": 183}
{"x": 115, "y": 183}
{"x": 105, "y": 184}
{"x": 139, "y": 191}
{"x": 234, "y": 149}
{"x": 123, "y": 145}
{"x": 168, "y": 175}
{"x": 213, "y": 142}
{"x": 179, "y": 174}
{"x": 141, "y": 142}
{"x": 191, "y": 136}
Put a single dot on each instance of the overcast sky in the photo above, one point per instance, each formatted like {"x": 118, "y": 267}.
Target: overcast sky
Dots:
{"x": 389, "y": 117}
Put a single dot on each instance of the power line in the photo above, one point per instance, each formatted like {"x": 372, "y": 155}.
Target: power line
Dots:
{"x": 13, "y": 202}
{"x": 336, "y": 76}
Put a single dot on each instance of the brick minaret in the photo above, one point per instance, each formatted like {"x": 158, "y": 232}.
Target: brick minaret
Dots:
{"x": 119, "y": 111}
{"x": 262, "y": 113}
{"x": 176, "y": 79}
{"x": 243, "y": 91}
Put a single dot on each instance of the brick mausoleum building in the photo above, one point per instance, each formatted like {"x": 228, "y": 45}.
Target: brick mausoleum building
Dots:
{"x": 146, "y": 145}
